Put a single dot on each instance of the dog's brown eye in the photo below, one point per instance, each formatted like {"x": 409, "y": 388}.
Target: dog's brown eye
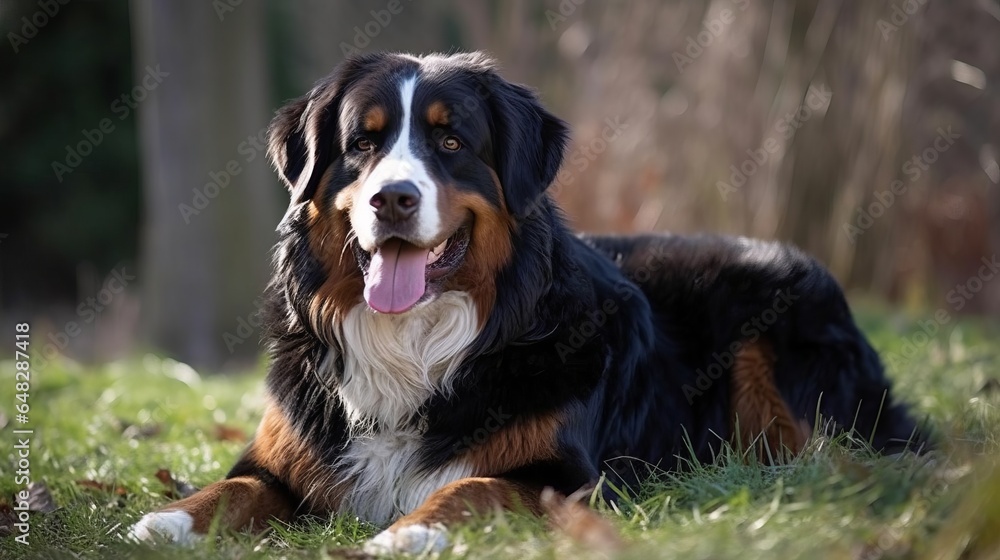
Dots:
{"x": 451, "y": 144}
{"x": 363, "y": 145}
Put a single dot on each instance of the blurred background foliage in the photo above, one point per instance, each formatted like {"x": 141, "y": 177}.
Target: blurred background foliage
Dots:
{"x": 772, "y": 118}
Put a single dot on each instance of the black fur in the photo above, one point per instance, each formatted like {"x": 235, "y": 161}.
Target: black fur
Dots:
{"x": 616, "y": 334}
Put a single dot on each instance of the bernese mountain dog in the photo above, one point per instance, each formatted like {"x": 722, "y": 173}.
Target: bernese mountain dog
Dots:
{"x": 442, "y": 344}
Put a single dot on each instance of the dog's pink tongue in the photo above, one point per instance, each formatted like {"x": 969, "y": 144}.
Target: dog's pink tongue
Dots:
{"x": 395, "y": 280}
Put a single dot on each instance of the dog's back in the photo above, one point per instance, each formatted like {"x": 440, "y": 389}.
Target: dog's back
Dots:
{"x": 737, "y": 311}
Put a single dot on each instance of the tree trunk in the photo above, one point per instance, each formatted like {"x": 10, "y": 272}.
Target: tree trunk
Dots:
{"x": 210, "y": 201}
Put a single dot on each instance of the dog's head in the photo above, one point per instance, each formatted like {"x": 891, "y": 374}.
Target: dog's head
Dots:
{"x": 409, "y": 176}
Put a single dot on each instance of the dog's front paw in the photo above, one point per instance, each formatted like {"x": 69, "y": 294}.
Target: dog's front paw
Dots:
{"x": 175, "y": 526}
{"x": 410, "y": 539}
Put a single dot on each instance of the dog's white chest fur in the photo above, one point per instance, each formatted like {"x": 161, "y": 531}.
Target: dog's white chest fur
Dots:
{"x": 392, "y": 364}
{"x": 385, "y": 482}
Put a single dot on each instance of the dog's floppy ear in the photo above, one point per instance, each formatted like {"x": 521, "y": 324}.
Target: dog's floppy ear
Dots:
{"x": 528, "y": 145}
{"x": 303, "y": 137}
{"x": 287, "y": 148}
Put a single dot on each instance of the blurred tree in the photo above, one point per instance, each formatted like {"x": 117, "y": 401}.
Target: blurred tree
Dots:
{"x": 66, "y": 227}
{"x": 725, "y": 129}
{"x": 692, "y": 90}
{"x": 210, "y": 198}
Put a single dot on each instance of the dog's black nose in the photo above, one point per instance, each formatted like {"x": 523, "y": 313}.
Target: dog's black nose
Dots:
{"x": 396, "y": 201}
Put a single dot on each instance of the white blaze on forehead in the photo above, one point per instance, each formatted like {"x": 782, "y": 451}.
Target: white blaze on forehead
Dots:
{"x": 402, "y": 164}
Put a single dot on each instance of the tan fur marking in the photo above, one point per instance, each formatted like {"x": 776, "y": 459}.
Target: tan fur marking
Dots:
{"x": 278, "y": 448}
{"x": 330, "y": 229}
{"x": 580, "y": 523}
{"x": 455, "y": 502}
{"x": 437, "y": 114}
{"x": 758, "y": 407}
{"x": 329, "y": 234}
{"x": 246, "y": 501}
{"x": 375, "y": 119}
{"x": 515, "y": 445}
{"x": 490, "y": 249}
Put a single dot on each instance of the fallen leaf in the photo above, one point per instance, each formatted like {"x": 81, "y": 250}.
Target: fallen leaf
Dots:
{"x": 40, "y": 499}
{"x": 102, "y": 487}
{"x": 7, "y": 519}
{"x": 176, "y": 489}
{"x": 229, "y": 433}
{"x": 581, "y": 524}
{"x": 164, "y": 476}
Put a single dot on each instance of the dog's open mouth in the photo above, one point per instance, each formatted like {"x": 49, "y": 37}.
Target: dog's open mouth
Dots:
{"x": 398, "y": 274}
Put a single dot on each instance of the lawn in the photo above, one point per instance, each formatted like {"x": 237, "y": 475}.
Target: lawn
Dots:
{"x": 105, "y": 436}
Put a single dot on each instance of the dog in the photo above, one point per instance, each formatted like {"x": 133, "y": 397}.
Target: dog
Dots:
{"x": 442, "y": 344}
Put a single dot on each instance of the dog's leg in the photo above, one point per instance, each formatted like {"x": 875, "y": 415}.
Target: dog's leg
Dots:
{"x": 277, "y": 471}
{"x": 424, "y": 529}
{"x": 760, "y": 416}
{"x": 241, "y": 502}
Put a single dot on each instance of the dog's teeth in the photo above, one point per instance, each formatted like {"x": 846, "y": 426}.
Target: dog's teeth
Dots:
{"x": 436, "y": 252}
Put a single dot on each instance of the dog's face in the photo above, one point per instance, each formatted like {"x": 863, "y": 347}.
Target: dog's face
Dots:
{"x": 411, "y": 176}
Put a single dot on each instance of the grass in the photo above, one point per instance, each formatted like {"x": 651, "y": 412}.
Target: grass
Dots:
{"x": 117, "y": 425}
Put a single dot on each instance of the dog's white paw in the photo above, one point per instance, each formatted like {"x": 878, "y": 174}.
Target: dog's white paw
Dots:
{"x": 176, "y": 526}
{"x": 411, "y": 539}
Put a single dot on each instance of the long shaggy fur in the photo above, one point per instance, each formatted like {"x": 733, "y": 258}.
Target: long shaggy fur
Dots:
{"x": 537, "y": 359}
